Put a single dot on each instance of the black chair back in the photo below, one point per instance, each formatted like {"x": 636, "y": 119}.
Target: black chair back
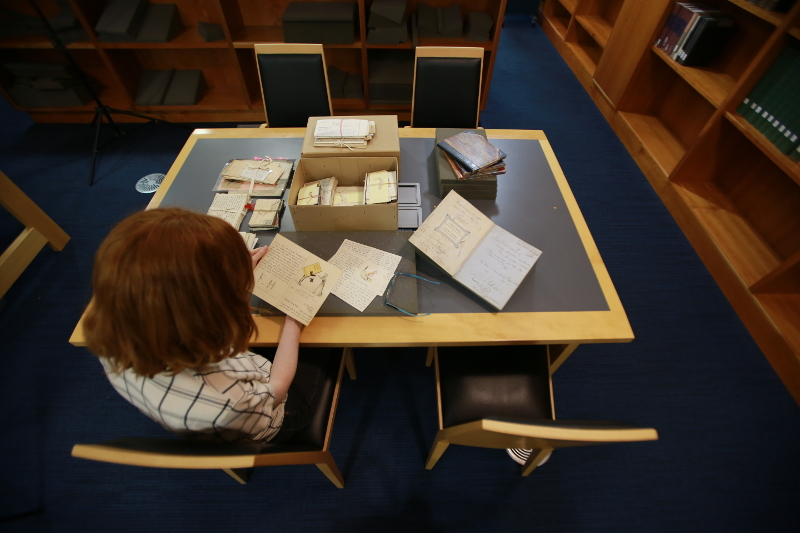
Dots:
{"x": 294, "y": 87}
{"x": 446, "y": 92}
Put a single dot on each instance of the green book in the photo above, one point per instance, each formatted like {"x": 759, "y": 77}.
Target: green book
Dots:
{"x": 783, "y": 118}
{"x": 761, "y": 94}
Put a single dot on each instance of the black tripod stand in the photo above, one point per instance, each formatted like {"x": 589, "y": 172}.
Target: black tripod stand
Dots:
{"x": 101, "y": 110}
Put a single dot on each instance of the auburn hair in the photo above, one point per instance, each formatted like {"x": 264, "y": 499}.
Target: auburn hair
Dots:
{"x": 171, "y": 291}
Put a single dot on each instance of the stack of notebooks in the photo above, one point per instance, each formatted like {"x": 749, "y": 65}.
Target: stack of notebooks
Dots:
{"x": 773, "y": 107}
{"x": 138, "y": 21}
{"x": 695, "y": 33}
{"x": 468, "y": 163}
{"x": 387, "y": 22}
{"x": 343, "y": 133}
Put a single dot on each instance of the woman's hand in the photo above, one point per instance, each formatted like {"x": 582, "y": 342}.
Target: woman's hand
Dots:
{"x": 257, "y": 254}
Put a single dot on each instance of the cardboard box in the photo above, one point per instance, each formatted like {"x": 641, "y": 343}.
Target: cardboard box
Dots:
{"x": 349, "y": 171}
{"x": 385, "y": 143}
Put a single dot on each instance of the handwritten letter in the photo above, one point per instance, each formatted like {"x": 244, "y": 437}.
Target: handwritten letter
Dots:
{"x": 294, "y": 280}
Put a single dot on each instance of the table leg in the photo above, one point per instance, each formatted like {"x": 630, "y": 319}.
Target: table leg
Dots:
{"x": 559, "y": 353}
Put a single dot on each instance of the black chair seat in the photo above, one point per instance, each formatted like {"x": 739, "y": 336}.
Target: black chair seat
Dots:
{"x": 498, "y": 382}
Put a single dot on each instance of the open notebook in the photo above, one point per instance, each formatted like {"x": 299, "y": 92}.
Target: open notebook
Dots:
{"x": 480, "y": 255}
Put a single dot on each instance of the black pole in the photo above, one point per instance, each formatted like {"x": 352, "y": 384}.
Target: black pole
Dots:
{"x": 101, "y": 110}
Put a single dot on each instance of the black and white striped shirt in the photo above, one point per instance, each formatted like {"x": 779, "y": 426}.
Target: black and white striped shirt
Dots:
{"x": 231, "y": 400}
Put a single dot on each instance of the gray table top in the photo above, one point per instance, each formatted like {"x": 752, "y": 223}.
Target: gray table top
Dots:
{"x": 529, "y": 204}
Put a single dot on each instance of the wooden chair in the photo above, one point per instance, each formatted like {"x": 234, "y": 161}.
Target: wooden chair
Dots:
{"x": 39, "y": 230}
{"x": 312, "y": 446}
{"x": 294, "y": 83}
{"x": 447, "y": 87}
{"x": 502, "y": 397}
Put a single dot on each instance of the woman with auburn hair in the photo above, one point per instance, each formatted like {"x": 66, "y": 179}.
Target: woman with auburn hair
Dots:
{"x": 171, "y": 321}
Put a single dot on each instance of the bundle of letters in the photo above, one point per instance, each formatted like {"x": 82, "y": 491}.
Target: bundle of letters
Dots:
{"x": 230, "y": 208}
{"x": 344, "y": 133}
{"x": 472, "y": 156}
{"x": 266, "y": 214}
{"x": 257, "y": 177}
{"x": 317, "y": 192}
{"x": 380, "y": 187}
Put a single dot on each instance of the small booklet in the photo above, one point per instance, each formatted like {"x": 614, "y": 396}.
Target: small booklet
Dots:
{"x": 480, "y": 255}
{"x": 260, "y": 178}
{"x": 294, "y": 280}
{"x": 230, "y": 208}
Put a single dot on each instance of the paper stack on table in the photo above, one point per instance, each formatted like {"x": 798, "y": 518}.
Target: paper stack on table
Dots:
{"x": 261, "y": 177}
{"x": 230, "y": 208}
{"x": 366, "y": 272}
{"x": 380, "y": 187}
{"x": 344, "y": 133}
{"x": 266, "y": 214}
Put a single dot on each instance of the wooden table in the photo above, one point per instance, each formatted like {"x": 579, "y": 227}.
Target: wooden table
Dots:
{"x": 562, "y": 330}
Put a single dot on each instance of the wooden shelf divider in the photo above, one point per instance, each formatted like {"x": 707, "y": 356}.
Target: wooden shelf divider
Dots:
{"x": 733, "y": 193}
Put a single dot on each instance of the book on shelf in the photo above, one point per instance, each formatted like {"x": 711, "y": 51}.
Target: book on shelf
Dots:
{"x": 662, "y": 37}
{"x": 772, "y": 106}
{"x": 676, "y": 30}
{"x": 709, "y": 34}
{"x": 481, "y": 256}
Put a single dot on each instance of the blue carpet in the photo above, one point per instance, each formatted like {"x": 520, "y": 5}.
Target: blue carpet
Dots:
{"x": 693, "y": 371}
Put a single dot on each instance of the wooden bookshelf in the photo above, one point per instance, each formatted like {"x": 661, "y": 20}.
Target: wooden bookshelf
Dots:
{"x": 233, "y": 93}
{"x": 736, "y": 197}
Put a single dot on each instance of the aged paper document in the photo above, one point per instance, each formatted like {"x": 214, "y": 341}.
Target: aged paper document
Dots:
{"x": 294, "y": 280}
{"x": 466, "y": 244}
{"x": 366, "y": 272}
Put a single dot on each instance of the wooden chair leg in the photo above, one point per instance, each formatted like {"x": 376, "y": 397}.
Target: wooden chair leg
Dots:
{"x": 534, "y": 459}
{"x": 350, "y": 362}
{"x": 239, "y": 474}
{"x": 431, "y": 355}
{"x": 331, "y": 471}
{"x": 438, "y": 448}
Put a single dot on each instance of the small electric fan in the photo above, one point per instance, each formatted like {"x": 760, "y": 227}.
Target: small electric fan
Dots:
{"x": 149, "y": 183}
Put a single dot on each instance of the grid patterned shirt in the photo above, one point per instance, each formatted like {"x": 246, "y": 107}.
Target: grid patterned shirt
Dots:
{"x": 230, "y": 401}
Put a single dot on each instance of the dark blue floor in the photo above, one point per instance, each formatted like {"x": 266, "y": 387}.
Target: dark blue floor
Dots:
{"x": 727, "y": 458}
